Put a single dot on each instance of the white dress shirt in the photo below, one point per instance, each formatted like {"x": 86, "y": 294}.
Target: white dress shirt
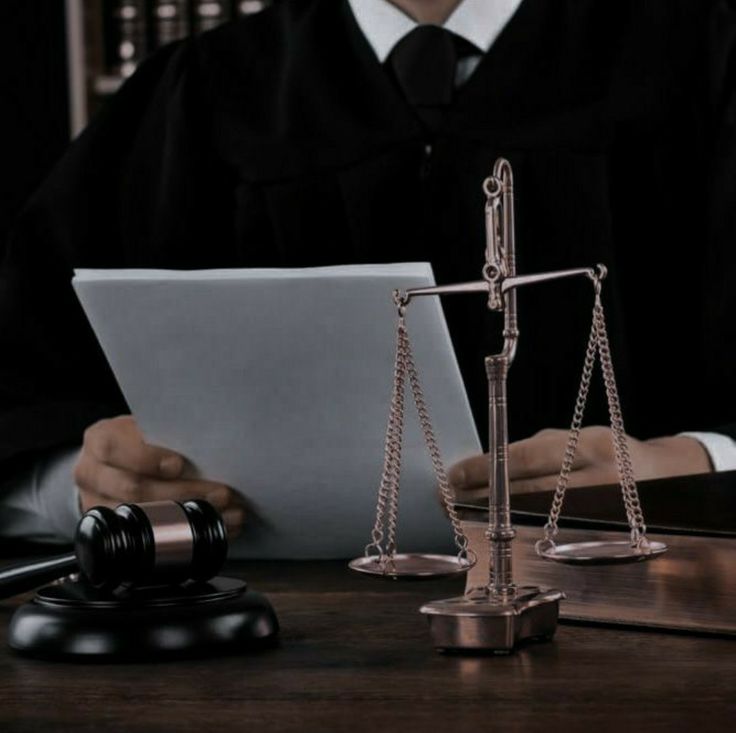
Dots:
{"x": 43, "y": 503}
{"x": 477, "y": 21}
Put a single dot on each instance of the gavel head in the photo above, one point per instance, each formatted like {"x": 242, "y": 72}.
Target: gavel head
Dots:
{"x": 153, "y": 543}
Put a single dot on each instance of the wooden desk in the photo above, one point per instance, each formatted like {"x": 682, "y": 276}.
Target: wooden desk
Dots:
{"x": 355, "y": 656}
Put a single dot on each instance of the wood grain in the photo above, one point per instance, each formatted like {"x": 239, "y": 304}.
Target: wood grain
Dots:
{"x": 355, "y": 656}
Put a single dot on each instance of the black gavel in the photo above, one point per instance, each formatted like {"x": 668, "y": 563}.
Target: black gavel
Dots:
{"x": 154, "y": 543}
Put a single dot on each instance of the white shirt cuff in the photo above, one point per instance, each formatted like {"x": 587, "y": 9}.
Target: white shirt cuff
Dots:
{"x": 721, "y": 449}
{"x": 42, "y": 503}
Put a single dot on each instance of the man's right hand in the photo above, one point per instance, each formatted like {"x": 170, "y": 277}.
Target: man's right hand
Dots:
{"x": 116, "y": 466}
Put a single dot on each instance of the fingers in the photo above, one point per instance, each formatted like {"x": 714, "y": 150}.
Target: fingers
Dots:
{"x": 88, "y": 499}
{"x": 122, "y": 486}
{"x": 118, "y": 442}
{"x": 478, "y": 494}
{"x": 540, "y": 456}
{"x": 535, "y": 463}
{"x": 519, "y": 486}
{"x": 598, "y": 475}
{"x": 225, "y": 500}
{"x": 116, "y": 466}
{"x": 469, "y": 474}
{"x": 533, "y": 458}
{"x": 234, "y": 518}
{"x": 533, "y": 485}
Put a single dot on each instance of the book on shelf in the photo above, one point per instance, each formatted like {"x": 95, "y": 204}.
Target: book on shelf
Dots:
{"x": 170, "y": 20}
{"x": 132, "y": 29}
{"x": 249, "y": 7}
{"x": 208, "y": 14}
{"x": 692, "y": 587}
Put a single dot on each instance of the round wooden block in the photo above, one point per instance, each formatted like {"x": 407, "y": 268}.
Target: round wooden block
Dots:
{"x": 73, "y": 621}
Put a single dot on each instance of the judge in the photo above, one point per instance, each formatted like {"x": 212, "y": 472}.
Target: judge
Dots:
{"x": 347, "y": 131}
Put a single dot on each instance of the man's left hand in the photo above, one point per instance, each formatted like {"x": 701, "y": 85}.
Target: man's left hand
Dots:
{"x": 534, "y": 463}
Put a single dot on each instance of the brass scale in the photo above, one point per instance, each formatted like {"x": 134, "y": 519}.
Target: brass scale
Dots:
{"x": 499, "y": 615}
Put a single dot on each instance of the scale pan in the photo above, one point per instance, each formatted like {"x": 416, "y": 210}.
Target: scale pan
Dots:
{"x": 413, "y": 565}
{"x": 603, "y": 553}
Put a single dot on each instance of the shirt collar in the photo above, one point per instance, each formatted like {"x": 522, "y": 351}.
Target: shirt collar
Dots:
{"x": 477, "y": 21}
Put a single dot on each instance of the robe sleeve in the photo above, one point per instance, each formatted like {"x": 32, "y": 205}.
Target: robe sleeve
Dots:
{"x": 130, "y": 192}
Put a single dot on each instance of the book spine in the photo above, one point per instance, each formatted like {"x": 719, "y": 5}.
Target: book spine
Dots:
{"x": 208, "y": 14}
{"x": 129, "y": 32}
{"x": 249, "y": 7}
{"x": 76, "y": 62}
{"x": 170, "y": 21}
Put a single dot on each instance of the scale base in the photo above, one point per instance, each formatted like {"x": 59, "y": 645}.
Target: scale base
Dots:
{"x": 72, "y": 621}
{"x": 481, "y": 624}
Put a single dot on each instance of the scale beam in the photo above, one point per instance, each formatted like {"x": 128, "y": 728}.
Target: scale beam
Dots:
{"x": 509, "y": 283}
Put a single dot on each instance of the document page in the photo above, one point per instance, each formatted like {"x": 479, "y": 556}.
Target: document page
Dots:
{"x": 277, "y": 382}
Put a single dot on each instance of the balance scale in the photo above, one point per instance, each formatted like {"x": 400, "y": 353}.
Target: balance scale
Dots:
{"x": 500, "y": 615}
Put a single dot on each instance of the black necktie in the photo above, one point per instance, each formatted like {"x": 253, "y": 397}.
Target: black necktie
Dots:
{"x": 424, "y": 63}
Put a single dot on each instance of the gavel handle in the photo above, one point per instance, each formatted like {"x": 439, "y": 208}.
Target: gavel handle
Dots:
{"x": 20, "y": 578}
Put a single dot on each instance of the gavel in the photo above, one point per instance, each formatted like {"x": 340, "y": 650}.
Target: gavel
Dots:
{"x": 134, "y": 545}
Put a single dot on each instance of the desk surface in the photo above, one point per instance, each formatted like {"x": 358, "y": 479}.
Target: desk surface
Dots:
{"x": 355, "y": 655}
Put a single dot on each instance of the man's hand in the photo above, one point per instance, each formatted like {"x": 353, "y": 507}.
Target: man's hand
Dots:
{"x": 115, "y": 466}
{"x": 534, "y": 463}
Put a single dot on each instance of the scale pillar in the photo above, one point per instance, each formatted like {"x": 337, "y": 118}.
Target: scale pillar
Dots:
{"x": 499, "y": 616}
{"x": 500, "y": 532}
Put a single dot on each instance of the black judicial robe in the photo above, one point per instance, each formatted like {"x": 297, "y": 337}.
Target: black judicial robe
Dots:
{"x": 279, "y": 140}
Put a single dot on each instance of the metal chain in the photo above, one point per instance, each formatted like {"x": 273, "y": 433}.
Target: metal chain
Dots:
{"x": 446, "y": 492}
{"x": 621, "y": 444}
{"x": 388, "y": 488}
{"x": 396, "y": 433}
{"x": 383, "y": 535}
{"x": 598, "y": 344}
{"x": 550, "y": 528}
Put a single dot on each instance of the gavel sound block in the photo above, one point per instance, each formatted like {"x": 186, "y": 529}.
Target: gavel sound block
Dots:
{"x": 147, "y": 590}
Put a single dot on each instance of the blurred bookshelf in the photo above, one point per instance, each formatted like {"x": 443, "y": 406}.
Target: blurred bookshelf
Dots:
{"x": 107, "y": 39}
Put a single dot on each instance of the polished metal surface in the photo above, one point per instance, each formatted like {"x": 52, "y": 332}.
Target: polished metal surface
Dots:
{"x": 509, "y": 283}
{"x": 172, "y": 534}
{"x": 500, "y": 532}
{"x": 414, "y": 565}
{"x": 482, "y": 622}
{"x": 603, "y": 553}
{"x": 477, "y": 286}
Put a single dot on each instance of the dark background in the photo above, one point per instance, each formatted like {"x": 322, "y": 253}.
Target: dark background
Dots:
{"x": 33, "y": 97}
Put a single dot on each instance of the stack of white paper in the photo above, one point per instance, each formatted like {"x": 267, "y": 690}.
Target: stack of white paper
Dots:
{"x": 277, "y": 383}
